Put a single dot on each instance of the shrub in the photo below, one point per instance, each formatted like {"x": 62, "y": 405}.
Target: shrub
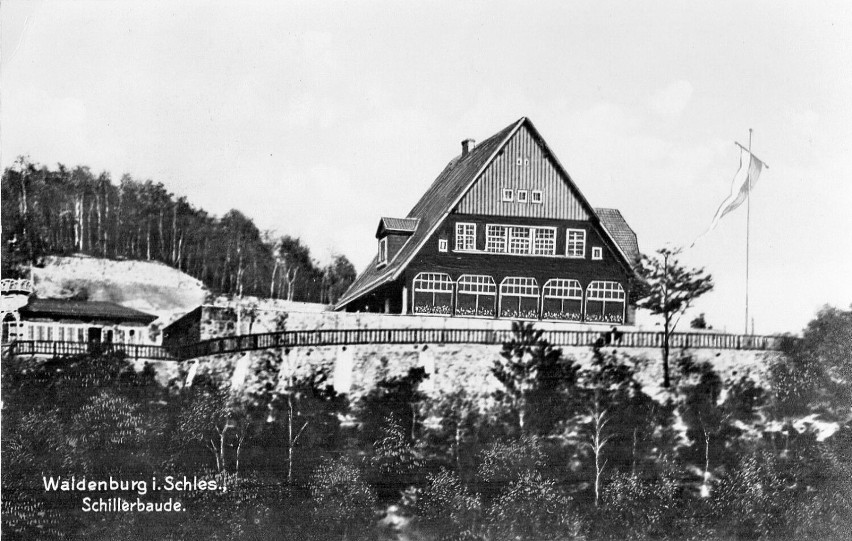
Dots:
{"x": 448, "y": 507}
{"x": 343, "y": 501}
{"x": 532, "y": 507}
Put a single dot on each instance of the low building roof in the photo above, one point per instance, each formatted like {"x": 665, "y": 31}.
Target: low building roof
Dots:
{"x": 84, "y": 310}
{"x": 620, "y": 232}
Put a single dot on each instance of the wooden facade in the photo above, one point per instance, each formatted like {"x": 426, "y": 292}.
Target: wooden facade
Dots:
{"x": 523, "y": 165}
{"x": 504, "y": 233}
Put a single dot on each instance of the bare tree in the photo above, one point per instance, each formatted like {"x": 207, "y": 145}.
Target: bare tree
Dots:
{"x": 290, "y": 275}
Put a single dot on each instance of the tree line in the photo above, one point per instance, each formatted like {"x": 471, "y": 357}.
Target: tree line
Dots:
{"x": 73, "y": 210}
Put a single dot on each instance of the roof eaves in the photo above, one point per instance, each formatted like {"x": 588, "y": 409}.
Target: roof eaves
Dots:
{"x": 362, "y": 291}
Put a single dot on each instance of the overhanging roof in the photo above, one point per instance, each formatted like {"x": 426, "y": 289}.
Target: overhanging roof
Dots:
{"x": 621, "y": 233}
{"x": 83, "y": 310}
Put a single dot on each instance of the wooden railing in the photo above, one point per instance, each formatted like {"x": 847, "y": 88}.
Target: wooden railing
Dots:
{"x": 347, "y": 337}
{"x": 630, "y": 339}
{"x": 52, "y": 348}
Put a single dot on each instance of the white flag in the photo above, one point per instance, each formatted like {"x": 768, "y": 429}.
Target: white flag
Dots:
{"x": 744, "y": 181}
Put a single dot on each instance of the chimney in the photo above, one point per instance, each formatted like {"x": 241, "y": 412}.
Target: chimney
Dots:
{"x": 468, "y": 145}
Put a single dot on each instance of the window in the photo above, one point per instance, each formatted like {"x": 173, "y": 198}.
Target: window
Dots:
{"x": 605, "y": 302}
{"x": 544, "y": 241}
{"x": 475, "y": 295}
{"x": 537, "y": 196}
{"x": 604, "y": 291}
{"x": 519, "y": 297}
{"x": 562, "y": 299}
{"x": 442, "y": 245}
{"x": 383, "y": 251}
{"x": 465, "y": 237}
{"x": 522, "y": 196}
{"x": 495, "y": 238}
{"x": 519, "y": 240}
{"x": 597, "y": 252}
{"x": 576, "y": 244}
{"x": 507, "y": 194}
{"x": 432, "y": 293}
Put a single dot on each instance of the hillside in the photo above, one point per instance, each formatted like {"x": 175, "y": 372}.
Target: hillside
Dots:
{"x": 57, "y": 212}
{"x": 149, "y": 286}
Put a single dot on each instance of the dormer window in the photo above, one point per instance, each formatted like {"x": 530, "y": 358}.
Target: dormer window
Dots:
{"x": 383, "y": 252}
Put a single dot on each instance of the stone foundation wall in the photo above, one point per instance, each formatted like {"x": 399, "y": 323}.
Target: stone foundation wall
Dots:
{"x": 355, "y": 370}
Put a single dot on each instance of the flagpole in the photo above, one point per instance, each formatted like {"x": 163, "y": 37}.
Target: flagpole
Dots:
{"x": 748, "y": 223}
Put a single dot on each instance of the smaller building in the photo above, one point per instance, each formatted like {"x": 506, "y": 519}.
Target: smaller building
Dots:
{"x": 205, "y": 322}
{"x": 69, "y": 320}
{"x": 86, "y": 321}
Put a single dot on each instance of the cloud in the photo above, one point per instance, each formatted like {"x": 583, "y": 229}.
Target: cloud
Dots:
{"x": 671, "y": 101}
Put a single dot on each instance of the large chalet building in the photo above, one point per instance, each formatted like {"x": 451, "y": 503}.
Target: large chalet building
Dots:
{"x": 503, "y": 232}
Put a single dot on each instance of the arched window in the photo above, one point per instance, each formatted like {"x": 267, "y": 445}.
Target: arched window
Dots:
{"x": 519, "y": 298}
{"x": 476, "y": 295}
{"x": 562, "y": 299}
{"x": 605, "y": 302}
{"x": 432, "y": 293}
{"x": 12, "y": 328}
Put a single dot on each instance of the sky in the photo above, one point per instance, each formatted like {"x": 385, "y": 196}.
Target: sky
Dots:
{"x": 316, "y": 119}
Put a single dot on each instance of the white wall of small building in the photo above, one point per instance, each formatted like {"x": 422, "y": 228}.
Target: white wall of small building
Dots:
{"x": 79, "y": 332}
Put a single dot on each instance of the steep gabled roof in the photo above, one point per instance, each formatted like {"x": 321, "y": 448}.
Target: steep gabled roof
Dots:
{"x": 440, "y": 199}
{"x": 621, "y": 233}
{"x": 430, "y": 210}
{"x": 84, "y": 310}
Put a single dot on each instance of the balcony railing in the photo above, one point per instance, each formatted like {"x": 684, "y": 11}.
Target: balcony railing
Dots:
{"x": 16, "y": 285}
